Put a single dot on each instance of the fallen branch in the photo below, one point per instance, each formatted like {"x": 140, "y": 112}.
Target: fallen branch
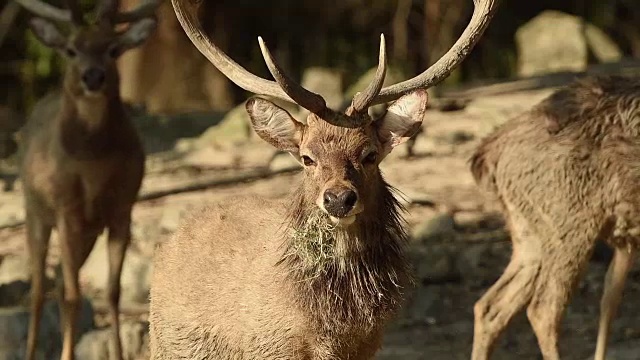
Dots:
{"x": 206, "y": 184}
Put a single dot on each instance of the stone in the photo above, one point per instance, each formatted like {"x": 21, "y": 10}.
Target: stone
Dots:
{"x": 172, "y": 216}
{"x": 433, "y": 265}
{"x": 97, "y": 345}
{"x": 15, "y": 268}
{"x": 439, "y": 227}
{"x": 541, "y": 50}
{"x": 135, "y": 278}
{"x": 14, "y": 325}
{"x": 326, "y": 82}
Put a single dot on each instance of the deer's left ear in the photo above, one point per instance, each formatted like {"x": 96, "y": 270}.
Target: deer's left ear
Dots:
{"x": 137, "y": 33}
{"x": 402, "y": 120}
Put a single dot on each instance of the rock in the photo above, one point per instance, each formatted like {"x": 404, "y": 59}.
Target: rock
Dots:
{"x": 433, "y": 265}
{"x": 15, "y": 268}
{"x": 135, "y": 278}
{"x": 14, "y": 324}
{"x": 234, "y": 129}
{"x": 439, "y": 227}
{"x": 480, "y": 264}
{"x": 97, "y": 345}
{"x": 394, "y": 75}
{"x": 541, "y": 50}
{"x": 172, "y": 216}
{"x": 478, "y": 220}
{"x": 326, "y": 82}
{"x": 13, "y": 293}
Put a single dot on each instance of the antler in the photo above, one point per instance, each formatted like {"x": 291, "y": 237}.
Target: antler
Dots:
{"x": 46, "y": 11}
{"x": 108, "y": 11}
{"x": 283, "y": 88}
{"x": 482, "y": 14}
{"x": 362, "y": 101}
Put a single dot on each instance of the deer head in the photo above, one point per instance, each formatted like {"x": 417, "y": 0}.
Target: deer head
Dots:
{"x": 91, "y": 50}
{"x": 340, "y": 152}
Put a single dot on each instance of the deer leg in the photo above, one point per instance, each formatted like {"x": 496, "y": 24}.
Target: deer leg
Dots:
{"x": 613, "y": 287}
{"x": 119, "y": 238}
{"x": 561, "y": 269}
{"x": 38, "y": 235}
{"x": 75, "y": 247}
{"x": 503, "y": 300}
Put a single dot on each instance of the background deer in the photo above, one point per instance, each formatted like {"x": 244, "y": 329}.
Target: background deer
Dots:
{"x": 81, "y": 159}
{"x": 317, "y": 276}
{"x": 566, "y": 174}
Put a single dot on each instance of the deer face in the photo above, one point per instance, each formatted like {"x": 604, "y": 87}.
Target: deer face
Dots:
{"x": 91, "y": 51}
{"x": 341, "y": 174}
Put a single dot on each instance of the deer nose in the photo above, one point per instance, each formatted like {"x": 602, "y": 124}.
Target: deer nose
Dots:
{"x": 93, "y": 78}
{"x": 338, "y": 202}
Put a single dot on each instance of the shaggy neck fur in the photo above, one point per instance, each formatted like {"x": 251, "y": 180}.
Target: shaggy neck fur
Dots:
{"x": 349, "y": 279}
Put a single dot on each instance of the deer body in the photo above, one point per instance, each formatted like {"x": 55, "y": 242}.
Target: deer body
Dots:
{"x": 566, "y": 174}
{"x": 246, "y": 299}
{"x": 82, "y": 162}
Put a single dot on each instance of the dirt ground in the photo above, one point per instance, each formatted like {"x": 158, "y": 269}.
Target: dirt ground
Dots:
{"x": 458, "y": 247}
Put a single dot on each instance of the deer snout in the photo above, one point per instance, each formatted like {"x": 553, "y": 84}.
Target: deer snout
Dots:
{"x": 339, "y": 202}
{"x": 93, "y": 78}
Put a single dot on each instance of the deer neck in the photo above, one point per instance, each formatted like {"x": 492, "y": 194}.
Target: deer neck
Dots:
{"x": 88, "y": 123}
{"x": 352, "y": 276}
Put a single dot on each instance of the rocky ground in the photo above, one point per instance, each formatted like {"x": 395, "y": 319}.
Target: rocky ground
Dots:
{"x": 459, "y": 246}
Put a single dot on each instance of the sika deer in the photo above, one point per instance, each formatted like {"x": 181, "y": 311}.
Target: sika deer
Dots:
{"x": 566, "y": 174}
{"x": 314, "y": 277}
{"x": 81, "y": 159}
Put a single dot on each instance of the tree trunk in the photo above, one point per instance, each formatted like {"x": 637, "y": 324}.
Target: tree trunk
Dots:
{"x": 168, "y": 74}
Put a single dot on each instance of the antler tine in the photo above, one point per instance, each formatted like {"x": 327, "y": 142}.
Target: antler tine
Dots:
{"x": 146, "y": 8}
{"x": 45, "y": 10}
{"x": 362, "y": 100}
{"x": 483, "y": 12}
{"x": 305, "y": 98}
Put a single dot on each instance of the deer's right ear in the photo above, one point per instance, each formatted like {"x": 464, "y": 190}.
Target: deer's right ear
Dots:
{"x": 275, "y": 125}
{"x": 47, "y": 33}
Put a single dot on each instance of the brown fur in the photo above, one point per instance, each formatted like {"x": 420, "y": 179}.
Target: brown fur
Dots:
{"x": 566, "y": 174}
{"x": 244, "y": 280}
{"x": 82, "y": 164}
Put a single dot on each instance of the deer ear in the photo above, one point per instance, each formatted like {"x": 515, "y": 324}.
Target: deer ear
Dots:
{"x": 402, "y": 120}
{"x": 137, "y": 33}
{"x": 275, "y": 125}
{"x": 47, "y": 33}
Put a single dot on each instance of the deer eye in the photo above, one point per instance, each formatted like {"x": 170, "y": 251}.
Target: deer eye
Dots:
{"x": 307, "y": 161}
{"x": 70, "y": 52}
{"x": 370, "y": 158}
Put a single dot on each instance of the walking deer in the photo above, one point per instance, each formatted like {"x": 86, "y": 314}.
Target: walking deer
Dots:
{"x": 82, "y": 162}
{"x": 316, "y": 276}
{"x": 566, "y": 174}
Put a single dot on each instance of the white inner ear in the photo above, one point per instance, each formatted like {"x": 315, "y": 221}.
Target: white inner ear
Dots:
{"x": 402, "y": 117}
{"x": 273, "y": 120}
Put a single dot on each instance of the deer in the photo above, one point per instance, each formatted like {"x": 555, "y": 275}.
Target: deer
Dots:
{"x": 81, "y": 159}
{"x": 319, "y": 274}
{"x": 565, "y": 175}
